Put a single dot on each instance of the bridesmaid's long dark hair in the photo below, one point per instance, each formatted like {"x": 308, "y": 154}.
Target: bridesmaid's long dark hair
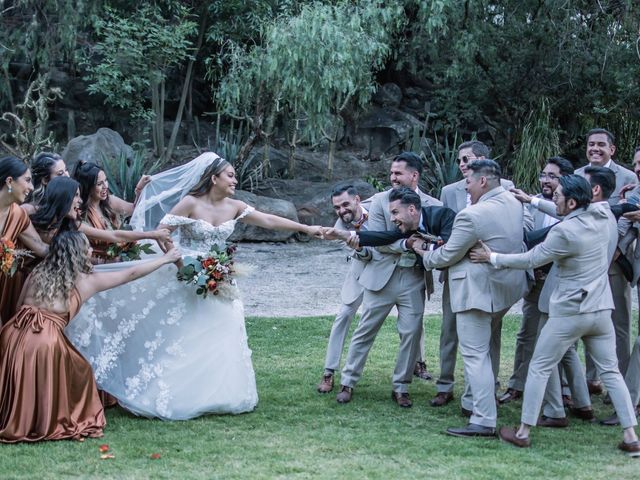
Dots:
{"x": 40, "y": 173}
{"x": 11, "y": 167}
{"x": 86, "y": 174}
{"x": 205, "y": 183}
{"x": 54, "y": 206}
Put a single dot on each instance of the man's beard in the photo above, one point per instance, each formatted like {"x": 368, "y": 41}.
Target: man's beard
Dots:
{"x": 347, "y": 217}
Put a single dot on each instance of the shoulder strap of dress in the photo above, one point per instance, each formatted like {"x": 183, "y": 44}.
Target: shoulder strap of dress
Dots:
{"x": 246, "y": 212}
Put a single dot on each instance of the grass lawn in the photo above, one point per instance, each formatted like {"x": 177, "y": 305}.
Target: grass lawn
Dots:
{"x": 298, "y": 433}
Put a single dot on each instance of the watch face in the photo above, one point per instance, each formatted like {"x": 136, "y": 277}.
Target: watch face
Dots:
{"x": 425, "y": 245}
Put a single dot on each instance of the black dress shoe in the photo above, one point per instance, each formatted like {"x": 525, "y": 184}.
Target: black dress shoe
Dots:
{"x": 472, "y": 430}
{"x": 611, "y": 421}
{"x": 465, "y": 412}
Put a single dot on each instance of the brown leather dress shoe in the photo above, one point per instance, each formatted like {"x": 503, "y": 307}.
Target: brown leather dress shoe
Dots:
{"x": 551, "y": 422}
{"x": 420, "y": 371}
{"x": 345, "y": 394}
{"x": 632, "y": 449}
{"x": 326, "y": 384}
{"x": 583, "y": 413}
{"x": 508, "y": 434}
{"x": 595, "y": 387}
{"x": 509, "y": 396}
{"x": 402, "y": 399}
{"x": 441, "y": 399}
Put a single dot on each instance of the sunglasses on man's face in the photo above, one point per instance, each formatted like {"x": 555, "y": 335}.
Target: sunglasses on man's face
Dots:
{"x": 466, "y": 159}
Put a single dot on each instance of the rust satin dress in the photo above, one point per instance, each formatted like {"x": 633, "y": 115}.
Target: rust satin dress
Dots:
{"x": 47, "y": 389}
{"x": 10, "y": 287}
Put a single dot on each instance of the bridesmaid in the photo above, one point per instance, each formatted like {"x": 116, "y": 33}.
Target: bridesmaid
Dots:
{"x": 59, "y": 209}
{"x": 15, "y": 185}
{"x": 45, "y": 167}
{"x": 100, "y": 209}
{"x": 47, "y": 390}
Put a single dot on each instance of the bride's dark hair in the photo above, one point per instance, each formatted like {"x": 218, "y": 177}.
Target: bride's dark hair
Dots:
{"x": 205, "y": 183}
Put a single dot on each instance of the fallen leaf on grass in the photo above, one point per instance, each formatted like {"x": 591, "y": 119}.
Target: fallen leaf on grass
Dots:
{"x": 103, "y": 448}
{"x": 155, "y": 456}
{"x": 107, "y": 456}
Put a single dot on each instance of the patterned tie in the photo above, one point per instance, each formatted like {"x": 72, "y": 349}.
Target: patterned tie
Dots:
{"x": 357, "y": 226}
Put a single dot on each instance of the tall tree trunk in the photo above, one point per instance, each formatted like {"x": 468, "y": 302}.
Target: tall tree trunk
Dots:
{"x": 185, "y": 89}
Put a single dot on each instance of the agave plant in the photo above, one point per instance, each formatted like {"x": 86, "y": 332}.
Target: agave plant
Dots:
{"x": 123, "y": 173}
{"x": 440, "y": 163}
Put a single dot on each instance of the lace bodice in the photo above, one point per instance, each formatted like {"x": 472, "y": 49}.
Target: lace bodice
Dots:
{"x": 199, "y": 235}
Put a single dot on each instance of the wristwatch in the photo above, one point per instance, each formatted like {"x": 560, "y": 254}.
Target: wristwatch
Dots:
{"x": 425, "y": 246}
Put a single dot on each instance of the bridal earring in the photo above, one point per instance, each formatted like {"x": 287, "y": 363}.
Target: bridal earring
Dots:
{"x": 9, "y": 189}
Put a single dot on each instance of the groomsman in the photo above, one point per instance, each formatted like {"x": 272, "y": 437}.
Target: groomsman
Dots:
{"x": 582, "y": 246}
{"x": 389, "y": 279}
{"x": 456, "y": 197}
{"x": 549, "y": 177}
{"x": 352, "y": 216}
{"x": 631, "y": 223}
{"x": 480, "y": 295}
{"x": 600, "y": 150}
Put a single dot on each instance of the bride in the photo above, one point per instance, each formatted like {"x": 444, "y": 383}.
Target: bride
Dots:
{"x": 155, "y": 345}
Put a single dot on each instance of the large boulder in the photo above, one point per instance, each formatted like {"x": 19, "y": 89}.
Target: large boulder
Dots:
{"x": 388, "y": 95}
{"x": 251, "y": 233}
{"x": 385, "y": 129}
{"x": 93, "y": 148}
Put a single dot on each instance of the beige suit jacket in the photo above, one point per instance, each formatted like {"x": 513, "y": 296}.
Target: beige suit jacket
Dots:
{"x": 384, "y": 260}
{"x": 581, "y": 247}
{"x": 497, "y": 220}
{"x": 351, "y": 288}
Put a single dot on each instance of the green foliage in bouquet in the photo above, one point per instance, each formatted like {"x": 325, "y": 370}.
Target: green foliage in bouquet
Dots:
{"x": 209, "y": 273}
{"x": 128, "y": 251}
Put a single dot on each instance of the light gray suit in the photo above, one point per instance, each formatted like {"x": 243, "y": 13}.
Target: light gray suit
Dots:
{"x": 351, "y": 296}
{"x": 526, "y": 337}
{"x": 386, "y": 284}
{"x": 580, "y": 306}
{"x": 454, "y": 196}
{"x": 480, "y": 295}
{"x": 620, "y": 287}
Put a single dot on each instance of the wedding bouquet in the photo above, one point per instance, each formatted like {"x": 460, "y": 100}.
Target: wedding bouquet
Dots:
{"x": 9, "y": 256}
{"x": 128, "y": 251}
{"x": 211, "y": 274}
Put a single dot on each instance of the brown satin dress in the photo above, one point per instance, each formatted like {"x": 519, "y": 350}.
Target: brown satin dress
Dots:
{"x": 10, "y": 287}
{"x": 47, "y": 390}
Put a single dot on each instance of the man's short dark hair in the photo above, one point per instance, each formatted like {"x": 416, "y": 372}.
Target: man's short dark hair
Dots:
{"x": 406, "y": 197}
{"x": 596, "y": 131}
{"x": 602, "y": 176}
{"x": 486, "y": 168}
{"x": 478, "y": 148}
{"x": 413, "y": 161}
{"x": 565, "y": 166}
{"x": 576, "y": 187}
{"x": 340, "y": 188}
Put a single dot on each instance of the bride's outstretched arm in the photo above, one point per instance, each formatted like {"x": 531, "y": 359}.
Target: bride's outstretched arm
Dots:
{"x": 98, "y": 282}
{"x": 273, "y": 222}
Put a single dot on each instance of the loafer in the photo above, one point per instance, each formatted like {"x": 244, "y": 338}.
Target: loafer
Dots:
{"x": 611, "y": 421}
{"x": 508, "y": 434}
{"x": 472, "y": 430}
{"x": 402, "y": 399}
{"x": 465, "y": 412}
{"x": 583, "y": 413}
{"x": 595, "y": 387}
{"x": 441, "y": 399}
{"x": 345, "y": 394}
{"x": 551, "y": 422}
{"x": 509, "y": 396}
{"x": 326, "y": 384}
{"x": 632, "y": 449}
{"x": 420, "y": 371}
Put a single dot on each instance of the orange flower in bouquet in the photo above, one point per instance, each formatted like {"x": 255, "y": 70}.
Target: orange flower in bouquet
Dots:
{"x": 211, "y": 274}
{"x": 10, "y": 256}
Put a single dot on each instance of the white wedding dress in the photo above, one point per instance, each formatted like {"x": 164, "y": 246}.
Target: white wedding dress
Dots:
{"x": 164, "y": 351}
